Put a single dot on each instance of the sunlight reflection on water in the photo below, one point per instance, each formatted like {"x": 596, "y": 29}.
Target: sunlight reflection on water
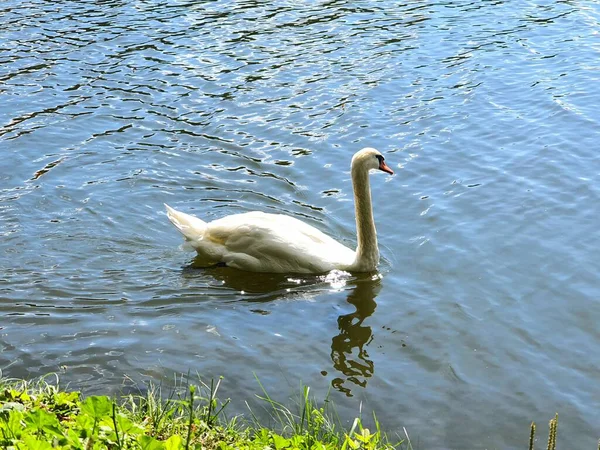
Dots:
{"x": 108, "y": 110}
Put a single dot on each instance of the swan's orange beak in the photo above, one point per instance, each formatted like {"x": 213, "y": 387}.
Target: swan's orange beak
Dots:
{"x": 383, "y": 166}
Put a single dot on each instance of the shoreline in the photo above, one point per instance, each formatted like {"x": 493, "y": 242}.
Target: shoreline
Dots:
{"x": 41, "y": 415}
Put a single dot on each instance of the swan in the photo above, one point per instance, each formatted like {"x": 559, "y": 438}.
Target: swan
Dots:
{"x": 276, "y": 243}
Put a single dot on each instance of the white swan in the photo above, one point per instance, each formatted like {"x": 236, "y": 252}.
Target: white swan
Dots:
{"x": 261, "y": 242}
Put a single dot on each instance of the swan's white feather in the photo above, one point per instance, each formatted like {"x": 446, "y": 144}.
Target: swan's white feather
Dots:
{"x": 262, "y": 242}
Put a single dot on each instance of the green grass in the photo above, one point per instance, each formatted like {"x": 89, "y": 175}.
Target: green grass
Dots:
{"x": 38, "y": 415}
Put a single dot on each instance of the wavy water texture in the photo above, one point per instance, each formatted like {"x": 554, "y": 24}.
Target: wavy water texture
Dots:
{"x": 484, "y": 314}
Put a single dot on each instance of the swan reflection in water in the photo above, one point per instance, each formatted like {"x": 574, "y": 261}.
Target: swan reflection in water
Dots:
{"x": 349, "y": 353}
{"x": 349, "y": 348}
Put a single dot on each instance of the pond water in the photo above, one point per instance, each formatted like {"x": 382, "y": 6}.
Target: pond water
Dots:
{"x": 484, "y": 314}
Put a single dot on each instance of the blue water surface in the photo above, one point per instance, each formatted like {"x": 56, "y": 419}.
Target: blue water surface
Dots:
{"x": 484, "y": 314}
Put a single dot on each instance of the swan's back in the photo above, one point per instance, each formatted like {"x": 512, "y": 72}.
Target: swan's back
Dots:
{"x": 276, "y": 243}
{"x": 262, "y": 242}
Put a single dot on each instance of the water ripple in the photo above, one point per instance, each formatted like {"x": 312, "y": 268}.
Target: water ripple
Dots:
{"x": 486, "y": 110}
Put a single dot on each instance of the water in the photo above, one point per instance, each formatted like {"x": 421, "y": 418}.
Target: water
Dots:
{"x": 484, "y": 314}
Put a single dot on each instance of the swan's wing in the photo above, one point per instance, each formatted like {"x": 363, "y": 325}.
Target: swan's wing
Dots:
{"x": 276, "y": 243}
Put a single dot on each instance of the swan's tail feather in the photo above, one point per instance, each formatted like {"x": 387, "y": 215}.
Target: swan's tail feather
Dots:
{"x": 191, "y": 227}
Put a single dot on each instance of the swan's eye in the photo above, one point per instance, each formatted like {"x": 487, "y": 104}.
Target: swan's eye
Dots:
{"x": 380, "y": 158}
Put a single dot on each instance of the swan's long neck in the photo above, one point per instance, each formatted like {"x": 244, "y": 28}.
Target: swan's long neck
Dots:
{"x": 367, "y": 252}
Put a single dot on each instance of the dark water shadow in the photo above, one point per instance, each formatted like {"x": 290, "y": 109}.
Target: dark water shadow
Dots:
{"x": 255, "y": 287}
{"x": 349, "y": 353}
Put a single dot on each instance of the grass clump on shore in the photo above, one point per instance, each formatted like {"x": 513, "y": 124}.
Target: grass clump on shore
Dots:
{"x": 39, "y": 416}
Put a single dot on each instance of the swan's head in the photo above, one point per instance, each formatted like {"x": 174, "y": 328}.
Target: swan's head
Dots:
{"x": 369, "y": 158}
